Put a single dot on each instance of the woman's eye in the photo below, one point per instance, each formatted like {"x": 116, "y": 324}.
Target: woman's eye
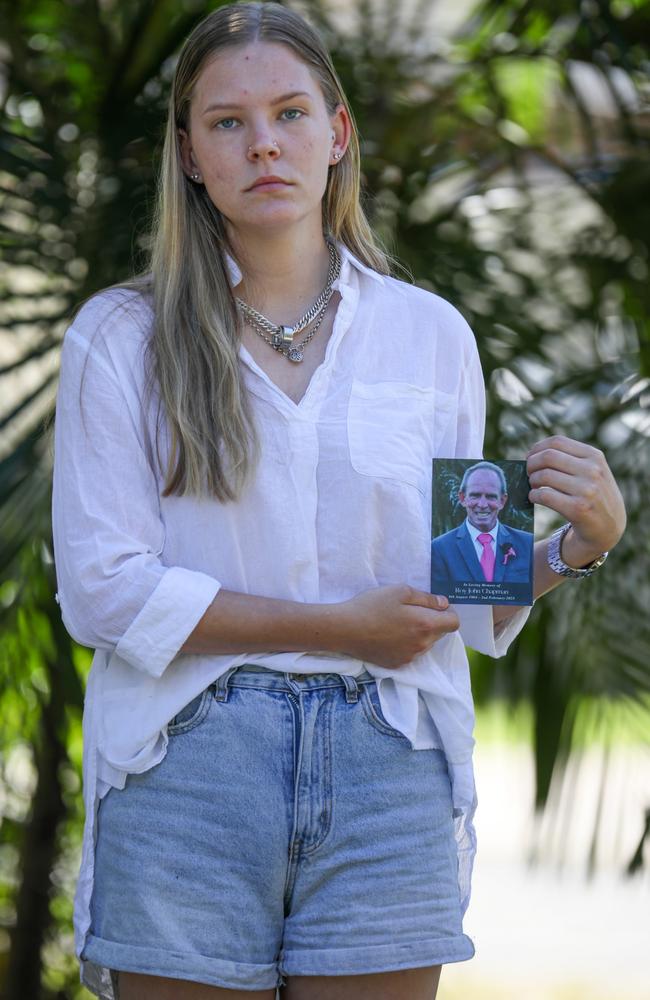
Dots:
{"x": 225, "y": 123}
{"x": 294, "y": 112}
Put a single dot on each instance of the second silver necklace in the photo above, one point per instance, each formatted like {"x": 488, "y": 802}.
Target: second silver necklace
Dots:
{"x": 281, "y": 338}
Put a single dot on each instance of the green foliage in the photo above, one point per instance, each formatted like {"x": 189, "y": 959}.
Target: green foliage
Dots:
{"x": 505, "y": 187}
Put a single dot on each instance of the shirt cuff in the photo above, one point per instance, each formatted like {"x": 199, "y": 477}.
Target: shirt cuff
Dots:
{"x": 477, "y": 629}
{"x": 174, "y": 609}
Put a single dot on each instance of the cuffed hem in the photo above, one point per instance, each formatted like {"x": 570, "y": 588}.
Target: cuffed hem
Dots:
{"x": 382, "y": 958}
{"x": 101, "y": 955}
{"x": 172, "y": 612}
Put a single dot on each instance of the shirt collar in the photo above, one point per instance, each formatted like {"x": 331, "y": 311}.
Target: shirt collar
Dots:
{"x": 475, "y": 532}
{"x": 348, "y": 260}
{"x": 348, "y": 257}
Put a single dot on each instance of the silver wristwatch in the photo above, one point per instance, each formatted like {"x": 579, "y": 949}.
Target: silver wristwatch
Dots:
{"x": 557, "y": 563}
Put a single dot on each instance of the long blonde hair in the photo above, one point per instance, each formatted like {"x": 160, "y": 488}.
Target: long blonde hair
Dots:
{"x": 192, "y": 355}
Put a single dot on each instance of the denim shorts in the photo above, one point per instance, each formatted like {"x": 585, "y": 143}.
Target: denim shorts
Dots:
{"x": 289, "y": 830}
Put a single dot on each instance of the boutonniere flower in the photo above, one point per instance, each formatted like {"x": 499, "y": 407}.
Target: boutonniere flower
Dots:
{"x": 508, "y": 553}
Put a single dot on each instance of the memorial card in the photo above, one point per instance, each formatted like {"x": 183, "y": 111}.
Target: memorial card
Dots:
{"x": 481, "y": 532}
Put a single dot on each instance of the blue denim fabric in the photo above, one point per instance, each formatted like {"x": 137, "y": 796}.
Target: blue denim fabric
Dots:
{"x": 288, "y": 831}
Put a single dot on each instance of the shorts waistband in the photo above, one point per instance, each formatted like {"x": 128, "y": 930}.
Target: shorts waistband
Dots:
{"x": 250, "y": 675}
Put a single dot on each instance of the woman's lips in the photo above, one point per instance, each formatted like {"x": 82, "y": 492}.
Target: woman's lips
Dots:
{"x": 269, "y": 185}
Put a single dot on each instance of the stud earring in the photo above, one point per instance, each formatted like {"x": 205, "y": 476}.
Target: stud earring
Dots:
{"x": 337, "y": 156}
{"x": 195, "y": 177}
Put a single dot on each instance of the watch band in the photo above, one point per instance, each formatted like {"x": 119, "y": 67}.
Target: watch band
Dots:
{"x": 557, "y": 563}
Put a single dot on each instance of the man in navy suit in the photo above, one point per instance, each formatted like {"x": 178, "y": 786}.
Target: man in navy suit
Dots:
{"x": 481, "y": 549}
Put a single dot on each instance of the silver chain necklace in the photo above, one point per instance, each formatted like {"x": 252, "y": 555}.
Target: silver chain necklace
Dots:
{"x": 282, "y": 335}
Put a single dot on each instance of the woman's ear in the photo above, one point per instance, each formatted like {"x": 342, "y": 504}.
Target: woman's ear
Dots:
{"x": 341, "y": 129}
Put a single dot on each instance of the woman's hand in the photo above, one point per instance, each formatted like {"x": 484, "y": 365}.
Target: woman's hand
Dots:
{"x": 575, "y": 480}
{"x": 390, "y": 626}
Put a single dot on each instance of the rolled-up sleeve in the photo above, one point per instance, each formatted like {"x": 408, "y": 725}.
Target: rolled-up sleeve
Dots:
{"x": 114, "y": 591}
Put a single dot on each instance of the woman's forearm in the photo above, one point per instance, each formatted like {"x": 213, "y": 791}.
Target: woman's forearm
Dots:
{"x": 388, "y": 625}
{"x": 237, "y": 622}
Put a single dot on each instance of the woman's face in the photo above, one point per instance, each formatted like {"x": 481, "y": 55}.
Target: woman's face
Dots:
{"x": 257, "y": 111}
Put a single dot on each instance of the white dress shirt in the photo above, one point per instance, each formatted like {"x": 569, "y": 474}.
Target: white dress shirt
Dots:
{"x": 341, "y": 502}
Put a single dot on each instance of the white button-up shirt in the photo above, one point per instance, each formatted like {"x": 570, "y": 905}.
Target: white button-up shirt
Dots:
{"x": 340, "y": 503}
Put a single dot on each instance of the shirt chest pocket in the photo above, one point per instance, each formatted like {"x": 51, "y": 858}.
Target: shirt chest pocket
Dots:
{"x": 393, "y": 430}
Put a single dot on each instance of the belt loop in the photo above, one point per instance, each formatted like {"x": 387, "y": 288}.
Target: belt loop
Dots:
{"x": 221, "y": 685}
{"x": 351, "y": 689}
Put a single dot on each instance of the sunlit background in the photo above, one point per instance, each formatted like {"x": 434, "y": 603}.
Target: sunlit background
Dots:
{"x": 505, "y": 158}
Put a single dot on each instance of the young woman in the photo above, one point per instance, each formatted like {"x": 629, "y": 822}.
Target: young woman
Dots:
{"x": 278, "y": 720}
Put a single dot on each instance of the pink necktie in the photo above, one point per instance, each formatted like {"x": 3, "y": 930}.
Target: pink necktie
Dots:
{"x": 487, "y": 557}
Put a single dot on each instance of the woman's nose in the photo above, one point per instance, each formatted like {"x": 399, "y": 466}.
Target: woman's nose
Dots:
{"x": 263, "y": 146}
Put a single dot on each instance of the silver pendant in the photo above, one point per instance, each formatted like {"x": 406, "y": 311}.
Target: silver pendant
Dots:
{"x": 295, "y": 355}
{"x": 287, "y": 336}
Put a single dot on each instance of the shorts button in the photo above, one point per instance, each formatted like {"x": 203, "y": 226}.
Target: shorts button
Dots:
{"x": 299, "y": 677}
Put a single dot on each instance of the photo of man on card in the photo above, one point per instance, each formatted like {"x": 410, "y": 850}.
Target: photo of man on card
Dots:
{"x": 482, "y": 559}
